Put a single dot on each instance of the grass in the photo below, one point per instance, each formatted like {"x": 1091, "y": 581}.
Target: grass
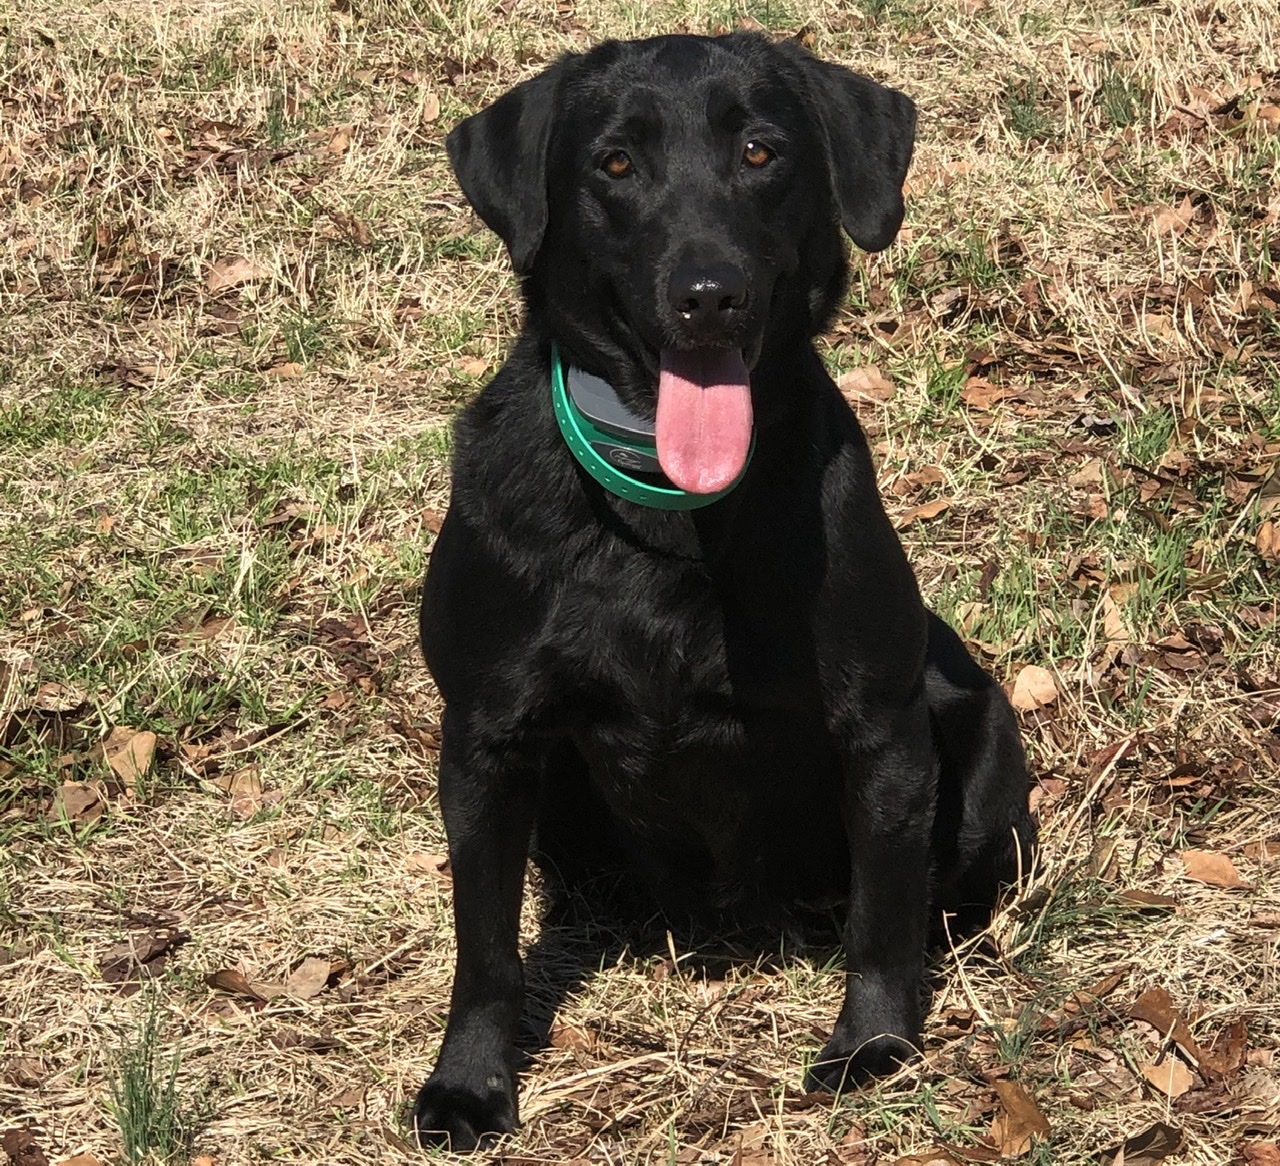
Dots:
{"x": 154, "y": 1121}
{"x": 217, "y": 503}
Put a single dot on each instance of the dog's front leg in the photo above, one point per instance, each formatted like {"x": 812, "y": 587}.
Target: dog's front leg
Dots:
{"x": 888, "y": 805}
{"x": 488, "y": 802}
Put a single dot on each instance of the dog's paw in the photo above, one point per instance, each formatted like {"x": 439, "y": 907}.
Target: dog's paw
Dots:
{"x": 839, "y": 1067}
{"x": 460, "y": 1117}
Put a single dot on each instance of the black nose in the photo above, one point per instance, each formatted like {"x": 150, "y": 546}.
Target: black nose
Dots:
{"x": 708, "y": 294}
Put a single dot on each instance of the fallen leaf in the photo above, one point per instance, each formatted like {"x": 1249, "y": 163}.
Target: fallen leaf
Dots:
{"x": 78, "y": 801}
{"x": 53, "y": 697}
{"x": 90, "y": 1160}
{"x": 21, "y": 1148}
{"x": 980, "y": 393}
{"x": 1228, "y": 1053}
{"x": 350, "y": 1098}
{"x": 245, "y": 789}
{"x": 353, "y": 228}
{"x": 1155, "y": 1007}
{"x": 1260, "y": 1153}
{"x": 935, "y": 1157}
{"x": 1113, "y": 624}
{"x": 867, "y": 383}
{"x": 1147, "y": 1148}
{"x": 1173, "y": 220}
{"x": 430, "y": 106}
{"x": 1034, "y": 688}
{"x": 1268, "y": 542}
{"x": 308, "y": 978}
{"x": 229, "y": 980}
{"x": 129, "y": 753}
{"x": 436, "y": 865}
{"x": 566, "y": 1036}
{"x": 232, "y": 272}
{"x": 1217, "y": 870}
{"x": 140, "y": 956}
{"x": 923, "y": 512}
{"x": 26, "y": 1072}
{"x": 291, "y": 1038}
{"x": 286, "y": 369}
{"x": 1172, "y": 1078}
{"x": 1019, "y": 1120}
{"x": 340, "y": 142}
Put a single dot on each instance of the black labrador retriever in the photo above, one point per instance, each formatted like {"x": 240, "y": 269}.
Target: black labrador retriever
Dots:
{"x": 672, "y": 625}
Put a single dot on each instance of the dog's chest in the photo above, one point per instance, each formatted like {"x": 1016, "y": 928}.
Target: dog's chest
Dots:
{"x": 699, "y": 713}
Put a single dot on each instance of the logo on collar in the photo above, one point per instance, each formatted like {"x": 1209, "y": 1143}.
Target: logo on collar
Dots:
{"x": 615, "y": 446}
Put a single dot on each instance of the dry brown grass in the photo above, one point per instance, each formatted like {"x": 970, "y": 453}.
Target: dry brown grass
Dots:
{"x": 215, "y": 505}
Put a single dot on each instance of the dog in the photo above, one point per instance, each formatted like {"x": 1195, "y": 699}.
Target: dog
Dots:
{"x": 672, "y": 625}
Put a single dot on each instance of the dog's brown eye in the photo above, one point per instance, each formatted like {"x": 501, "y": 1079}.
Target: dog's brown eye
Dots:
{"x": 617, "y": 164}
{"x": 757, "y": 154}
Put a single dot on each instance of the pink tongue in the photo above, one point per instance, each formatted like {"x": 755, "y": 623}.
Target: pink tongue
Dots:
{"x": 704, "y": 418}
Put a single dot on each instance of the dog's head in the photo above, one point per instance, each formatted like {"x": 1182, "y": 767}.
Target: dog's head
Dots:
{"x": 675, "y": 207}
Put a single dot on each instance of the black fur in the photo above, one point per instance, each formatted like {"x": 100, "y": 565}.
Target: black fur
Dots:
{"x": 747, "y": 704}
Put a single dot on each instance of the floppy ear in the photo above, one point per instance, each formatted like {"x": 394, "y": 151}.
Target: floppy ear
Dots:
{"x": 500, "y": 158}
{"x": 870, "y": 131}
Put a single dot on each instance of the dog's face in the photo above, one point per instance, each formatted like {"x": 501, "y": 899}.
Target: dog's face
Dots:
{"x": 662, "y": 199}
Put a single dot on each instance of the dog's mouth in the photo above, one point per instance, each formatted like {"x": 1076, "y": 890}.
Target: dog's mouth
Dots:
{"x": 703, "y": 427}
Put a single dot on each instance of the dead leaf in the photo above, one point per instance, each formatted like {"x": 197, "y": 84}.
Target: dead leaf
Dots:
{"x": 232, "y": 271}
{"x": 1148, "y": 1148}
{"x": 78, "y": 801}
{"x": 1172, "y": 1078}
{"x": 1228, "y": 1052}
{"x": 934, "y": 1157}
{"x": 1034, "y": 688}
{"x": 865, "y": 384}
{"x": 350, "y": 1098}
{"x": 229, "y": 980}
{"x": 1260, "y": 1153}
{"x": 90, "y": 1160}
{"x": 340, "y": 142}
{"x": 21, "y": 1148}
{"x": 1268, "y": 117}
{"x": 1268, "y": 542}
{"x": 980, "y": 393}
{"x": 245, "y": 789}
{"x": 473, "y": 366}
{"x": 140, "y": 956}
{"x": 436, "y": 865}
{"x": 1217, "y": 870}
{"x": 430, "y": 106}
{"x": 923, "y": 512}
{"x": 129, "y": 753}
{"x": 1169, "y": 220}
{"x": 26, "y": 1072}
{"x": 1019, "y": 1120}
{"x": 308, "y": 978}
{"x": 354, "y": 229}
{"x": 1113, "y": 625}
{"x": 291, "y": 1038}
{"x": 567, "y": 1036}
{"x": 1090, "y": 473}
{"x": 286, "y": 370}
{"x": 1155, "y": 1007}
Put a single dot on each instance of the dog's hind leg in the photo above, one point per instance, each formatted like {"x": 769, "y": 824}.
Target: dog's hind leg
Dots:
{"x": 984, "y": 837}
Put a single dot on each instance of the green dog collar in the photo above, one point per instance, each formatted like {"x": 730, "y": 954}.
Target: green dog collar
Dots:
{"x": 607, "y": 456}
